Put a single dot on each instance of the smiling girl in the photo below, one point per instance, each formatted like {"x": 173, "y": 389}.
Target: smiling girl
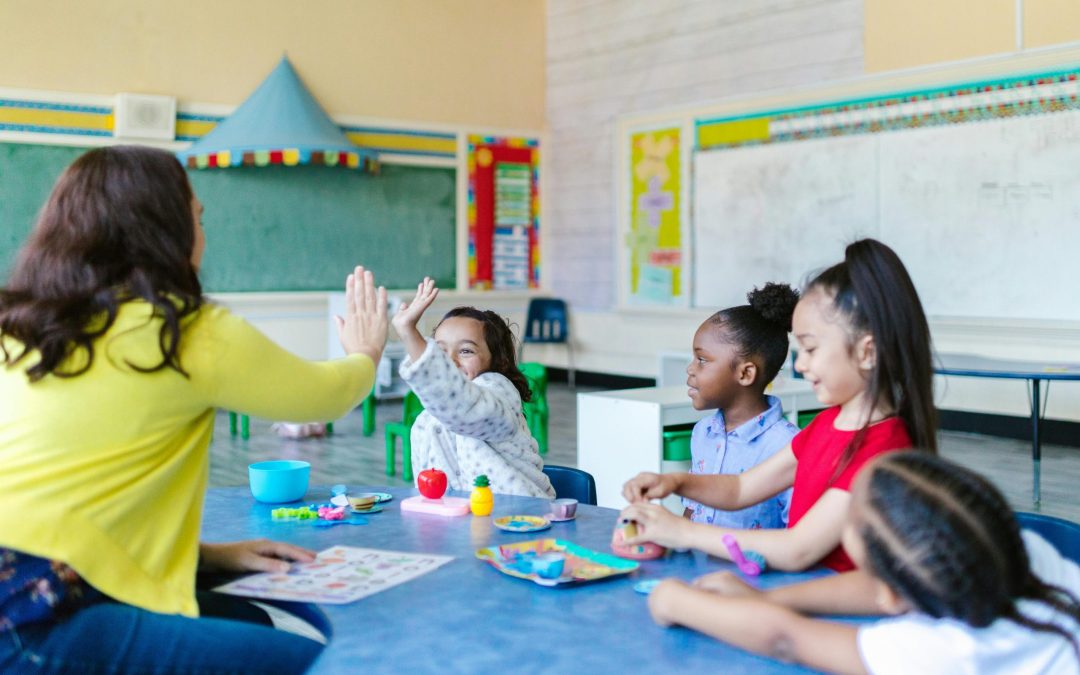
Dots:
{"x": 468, "y": 380}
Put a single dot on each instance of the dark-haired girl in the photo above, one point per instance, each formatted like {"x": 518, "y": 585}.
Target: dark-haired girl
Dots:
{"x": 864, "y": 345}
{"x": 938, "y": 547}
{"x": 111, "y": 366}
{"x": 468, "y": 380}
{"x": 737, "y": 353}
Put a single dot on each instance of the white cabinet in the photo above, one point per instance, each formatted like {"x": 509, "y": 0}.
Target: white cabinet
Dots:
{"x": 620, "y": 433}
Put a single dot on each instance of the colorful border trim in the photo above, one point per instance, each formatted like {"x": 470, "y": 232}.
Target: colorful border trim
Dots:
{"x": 478, "y": 249}
{"x": 55, "y": 118}
{"x": 1032, "y": 94}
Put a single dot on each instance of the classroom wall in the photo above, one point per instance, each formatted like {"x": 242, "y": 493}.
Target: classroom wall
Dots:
{"x": 476, "y": 62}
{"x": 615, "y": 58}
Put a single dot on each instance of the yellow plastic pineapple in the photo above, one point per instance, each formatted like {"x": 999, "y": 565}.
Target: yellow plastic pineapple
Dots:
{"x": 481, "y": 499}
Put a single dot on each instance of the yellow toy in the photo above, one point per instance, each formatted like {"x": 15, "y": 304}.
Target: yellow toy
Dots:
{"x": 481, "y": 500}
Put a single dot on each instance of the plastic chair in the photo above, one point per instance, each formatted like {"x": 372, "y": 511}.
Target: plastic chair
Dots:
{"x": 536, "y": 410}
{"x": 572, "y": 483}
{"x": 412, "y": 407}
{"x": 1063, "y": 534}
{"x": 547, "y": 321}
{"x": 368, "y": 411}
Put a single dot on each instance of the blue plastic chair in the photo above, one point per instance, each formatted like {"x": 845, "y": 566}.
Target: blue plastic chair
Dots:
{"x": 1063, "y": 534}
{"x": 572, "y": 483}
{"x": 547, "y": 321}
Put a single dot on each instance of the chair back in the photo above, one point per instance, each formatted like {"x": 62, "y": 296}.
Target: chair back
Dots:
{"x": 536, "y": 374}
{"x": 546, "y": 321}
{"x": 572, "y": 483}
{"x": 1063, "y": 534}
{"x": 413, "y": 408}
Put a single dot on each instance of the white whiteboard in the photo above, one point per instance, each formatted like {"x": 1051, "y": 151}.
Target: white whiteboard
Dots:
{"x": 986, "y": 215}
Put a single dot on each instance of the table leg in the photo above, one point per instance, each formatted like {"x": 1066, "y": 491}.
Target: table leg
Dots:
{"x": 1036, "y": 447}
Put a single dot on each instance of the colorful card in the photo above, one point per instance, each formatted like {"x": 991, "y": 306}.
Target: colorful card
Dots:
{"x": 339, "y": 575}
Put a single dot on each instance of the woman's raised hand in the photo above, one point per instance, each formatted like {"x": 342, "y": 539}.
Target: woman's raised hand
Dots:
{"x": 363, "y": 328}
{"x": 408, "y": 315}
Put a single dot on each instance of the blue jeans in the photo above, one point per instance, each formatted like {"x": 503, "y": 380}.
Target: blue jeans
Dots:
{"x": 111, "y": 637}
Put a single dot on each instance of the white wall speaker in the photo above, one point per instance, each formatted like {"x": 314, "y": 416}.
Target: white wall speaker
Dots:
{"x": 145, "y": 116}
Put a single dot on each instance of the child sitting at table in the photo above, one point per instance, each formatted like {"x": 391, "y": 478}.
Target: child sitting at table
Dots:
{"x": 936, "y": 545}
{"x": 472, "y": 391}
{"x": 864, "y": 345}
{"x": 737, "y": 353}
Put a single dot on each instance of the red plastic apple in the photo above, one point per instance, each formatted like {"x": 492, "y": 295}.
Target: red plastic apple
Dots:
{"x": 431, "y": 483}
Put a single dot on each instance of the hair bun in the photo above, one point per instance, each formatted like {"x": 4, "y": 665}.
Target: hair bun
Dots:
{"x": 775, "y": 303}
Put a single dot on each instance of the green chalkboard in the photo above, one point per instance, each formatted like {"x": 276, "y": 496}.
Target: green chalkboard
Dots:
{"x": 280, "y": 228}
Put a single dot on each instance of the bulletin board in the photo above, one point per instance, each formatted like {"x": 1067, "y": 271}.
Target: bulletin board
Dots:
{"x": 503, "y": 213}
{"x": 654, "y": 243}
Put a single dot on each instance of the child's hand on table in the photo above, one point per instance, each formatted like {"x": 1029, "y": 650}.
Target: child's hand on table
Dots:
{"x": 664, "y": 598}
{"x": 656, "y": 524}
{"x": 363, "y": 328}
{"x": 256, "y": 555}
{"x": 726, "y": 584}
{"x": 646, "y": 486}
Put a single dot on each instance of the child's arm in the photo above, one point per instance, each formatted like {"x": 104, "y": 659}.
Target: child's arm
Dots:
{"x": 487, "y": 408}
{"x": 729, "y": 492}
{"x": 793, "y": 549}
{"x": 850, "y": 593}
{"x": 409, "y": 314}
{"x": 759, "y": 626}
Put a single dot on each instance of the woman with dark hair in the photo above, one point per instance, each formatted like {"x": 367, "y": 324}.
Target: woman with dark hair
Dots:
{"x": 112, "y": 366}
{"x": 468, "y": 380}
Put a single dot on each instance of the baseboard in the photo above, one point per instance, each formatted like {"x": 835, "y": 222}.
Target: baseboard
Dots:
{"x": 1055, "y": 432}
{"x": 605, "y": 380}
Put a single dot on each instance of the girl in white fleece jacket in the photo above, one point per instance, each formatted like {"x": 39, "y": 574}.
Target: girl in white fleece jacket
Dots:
{"x": 472, "y": 391}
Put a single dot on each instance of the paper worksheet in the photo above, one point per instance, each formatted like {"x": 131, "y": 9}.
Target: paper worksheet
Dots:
{"x": 338, "y": 575}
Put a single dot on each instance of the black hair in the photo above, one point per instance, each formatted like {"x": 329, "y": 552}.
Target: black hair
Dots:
{"x": 500, "y": 342}
{"x": 760, "y": 329}
{"x": 944, "y": 539}
{"x": 872, "y": 291}
{"x": 117, "y": 226}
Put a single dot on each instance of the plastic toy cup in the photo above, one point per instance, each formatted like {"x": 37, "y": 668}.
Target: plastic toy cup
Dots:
{"x": 279, "y": 481}
{"x": 564, "y": 509}
{"x": 548, "y": 565}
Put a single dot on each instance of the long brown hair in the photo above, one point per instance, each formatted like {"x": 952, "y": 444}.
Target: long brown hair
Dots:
{"x": 118, "y": 226}
{"x": 873, "y": 293}
{"x": 945, "y": 539}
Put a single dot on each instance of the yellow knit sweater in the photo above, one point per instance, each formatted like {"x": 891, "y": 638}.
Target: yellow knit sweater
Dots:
{"x": 107, "y": 471}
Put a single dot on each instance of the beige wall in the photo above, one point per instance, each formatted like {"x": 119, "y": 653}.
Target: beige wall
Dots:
{"x": 475, "y": 62}
{"x": 907, "y": 33}
{"x": 1051, "y": 22}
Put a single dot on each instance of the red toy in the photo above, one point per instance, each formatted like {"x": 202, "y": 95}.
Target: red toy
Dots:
{"x": 431, "y": 483}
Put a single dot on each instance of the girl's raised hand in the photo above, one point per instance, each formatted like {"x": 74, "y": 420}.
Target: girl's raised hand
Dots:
{"x": 726, "y": 584}
{"x": 364, "y": 327}
{"x": 408, "y": 315}
{"x": 656, "y": 524}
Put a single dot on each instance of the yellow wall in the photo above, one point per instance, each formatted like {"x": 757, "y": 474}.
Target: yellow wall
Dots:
{"x": 474, "y": 62}
{"x": 907, "y": 33}
{"x": 1050, "y": 22}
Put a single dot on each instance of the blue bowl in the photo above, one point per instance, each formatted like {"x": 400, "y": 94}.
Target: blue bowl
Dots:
{"x": 279, "y": 481}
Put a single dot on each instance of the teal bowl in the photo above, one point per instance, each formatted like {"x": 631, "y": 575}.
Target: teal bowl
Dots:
{"x": 279, "y": 481}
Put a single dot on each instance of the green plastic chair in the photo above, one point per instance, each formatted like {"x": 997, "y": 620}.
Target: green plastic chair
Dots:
{"x": 536, "y": 410}
{"x": 412, "y": 409}
{"x": 368, "y": 410}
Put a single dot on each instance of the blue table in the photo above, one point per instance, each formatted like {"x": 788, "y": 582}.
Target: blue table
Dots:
{"x": 967, "y": 365}
{"x": 466, "y": 617}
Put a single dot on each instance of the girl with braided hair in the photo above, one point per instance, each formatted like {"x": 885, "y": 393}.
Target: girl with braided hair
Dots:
{"x": 864, "y": 345}
{"x": 938, "y": 547}
{"x": 467, "y": 377}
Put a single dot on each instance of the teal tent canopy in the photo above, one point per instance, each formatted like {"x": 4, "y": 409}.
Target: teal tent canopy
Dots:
{"x": 280, "y": 123}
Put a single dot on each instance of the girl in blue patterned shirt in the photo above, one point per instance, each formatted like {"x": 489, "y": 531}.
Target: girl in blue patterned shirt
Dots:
{"x": 737, "y": 353}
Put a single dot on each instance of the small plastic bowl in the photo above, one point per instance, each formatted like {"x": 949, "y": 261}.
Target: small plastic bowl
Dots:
{"x": 548, "y": 565}
{"x": 279, "y": 481}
